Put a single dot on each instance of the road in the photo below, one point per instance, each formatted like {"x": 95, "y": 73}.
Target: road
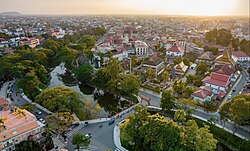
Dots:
{"x": 17, "y": 100}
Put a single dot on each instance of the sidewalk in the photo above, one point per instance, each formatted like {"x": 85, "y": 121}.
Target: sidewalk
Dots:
{"x": 117, "y": 138}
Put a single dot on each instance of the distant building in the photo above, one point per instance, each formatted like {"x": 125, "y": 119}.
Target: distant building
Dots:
{"x": 156, "y": 63}
{"x": 175, "y": 51}
{"x": 206, "y": 57}
{"x": 17, "y": 127}
{"x": 240, "y": 56}
{"x": 120, "y": 53}
{"x": 226, "y": 58}
{"x": 141, "y": 49}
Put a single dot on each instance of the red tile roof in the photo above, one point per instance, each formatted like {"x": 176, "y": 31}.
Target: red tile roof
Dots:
{"x": 175, "y": 48}
{"x": 203, "y": 92}
{"x": 224, "y": 69}
{"x": 239, "y": 54}
{"x": 217, "y": 79}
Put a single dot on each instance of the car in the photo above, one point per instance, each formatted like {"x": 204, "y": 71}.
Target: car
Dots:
{"x": 111, "y": 121}
{"x": 42, "y": 120}
{"x": 89, "y": 135}
{"x": 38, "y": 112}
{"x": 234, "y": 89}
{"x": 229, "y": 96}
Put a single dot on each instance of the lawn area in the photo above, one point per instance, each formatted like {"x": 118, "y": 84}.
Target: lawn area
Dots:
{"x": 226, "y": 138}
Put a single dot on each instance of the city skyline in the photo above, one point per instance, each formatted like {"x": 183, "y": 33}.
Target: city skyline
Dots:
{"x": 146, "y": 7}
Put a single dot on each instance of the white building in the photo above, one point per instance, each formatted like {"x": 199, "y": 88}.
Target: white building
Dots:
{"x": 175, "y": 51}
{"x": 120, "y": 53}
{"x": 141, "y": 49}
{"x": 240, "y": 56}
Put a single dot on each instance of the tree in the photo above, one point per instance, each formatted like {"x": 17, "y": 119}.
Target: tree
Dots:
{"x": 167, "y": 101}
{"x": 188, "y": 91}
{"x": 28, "y": 145}
{"x": 179, "y": 86}
{"x": 201, "y": 69}
{"x": 150, "y": 72}
{"x": 209, "y": 105}
{"x": 84, "y": 73}
{"x": 129, "y": 84}
{"x": 205, "y": 140}
{"x": 59, "y": 122}
{"x": 236, "y": 110}
{"x": 166, "y": 76}
{"x": 186, "y": 61}
{"x": 60, "y": 99}
{"x": 180, "y": 116}
{"x": 197, "y": 138}
{"x": 80, "y": 140}
{"x": 89, "y": 41}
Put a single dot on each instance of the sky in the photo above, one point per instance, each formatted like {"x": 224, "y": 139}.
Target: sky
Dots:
{"x": 163, "y": 7}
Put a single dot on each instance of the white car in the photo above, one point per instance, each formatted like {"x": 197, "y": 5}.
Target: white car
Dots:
{"x": 229, "y": 96}
{"x": 42, "y": 120}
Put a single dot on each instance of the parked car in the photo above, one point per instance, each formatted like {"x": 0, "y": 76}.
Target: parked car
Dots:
{"x": 229, "y": 96}
{"x": 234, "y": 89}
{"x": 38, "y": 112}
{"x": 111, "y": 121}
{"x": 42, "y": 120}
{"x": 89, "y": 135}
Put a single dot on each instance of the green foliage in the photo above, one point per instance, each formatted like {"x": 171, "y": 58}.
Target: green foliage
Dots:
{"x": 142, "y": 131}
{"x": 245, "y": 46}
{"x": 220, "y": 37}
{"x": 59, "y": 122}
{"x": 80, "y": 140}
{"x": 60, "y": 99}
{"x": 150, "y": 73}
{"x": 89, "y": 41}
{"x": 129, "y": 84}
{"x": 236, "y": 110}
{"x": 231, "y": 141}
{"x": 210, "y": 106}
{"x": 3, "y": 35}
{"x": 212, "y": 49}
{"x": 167, "y": 101}
{"x": 185, "y": 60}
{"x": 180, "y": 116}
{"x": 28, "y": 107}
{"x": 201, "y": 69}
{"x": 84, "y": 73}
{"x": 27, "y": 145}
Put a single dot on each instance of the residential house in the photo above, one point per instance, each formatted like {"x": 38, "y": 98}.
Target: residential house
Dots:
{"x": 119, "y": 53}
{"x": 203, "y": 93}
{"x": 218, "y": 82}
{"x": 175, "y": 51}
{"x": 240, "y": 56}
{"x": 156, "y": 63}
{"x": 207, "y": 58}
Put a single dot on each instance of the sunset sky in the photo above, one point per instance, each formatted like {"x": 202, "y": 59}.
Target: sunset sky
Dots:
{"x": 165, "y": 7}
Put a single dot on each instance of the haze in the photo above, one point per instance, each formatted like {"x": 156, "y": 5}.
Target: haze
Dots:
{"x": 164, "y": 7}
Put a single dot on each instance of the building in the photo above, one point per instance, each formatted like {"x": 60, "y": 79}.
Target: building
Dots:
{"x": 141, "y": 49}
{"x": 120, "y": 53}
{"x": 226, "y": 57}
{"x": 207, "y": 58}
{"x": 4, "y": 104}
{"x": 175, "y": 51}
{"x": 156, "y": 63}
{"x": 218, "y": 82}
{"x": 16, "y": 126}
{"x": 180, "y": 69}
{"x": 202, "y": 94}
{"x": 240, "y": 56}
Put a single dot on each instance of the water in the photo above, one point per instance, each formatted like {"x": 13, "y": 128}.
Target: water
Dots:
{"x": 109, "y": 103}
